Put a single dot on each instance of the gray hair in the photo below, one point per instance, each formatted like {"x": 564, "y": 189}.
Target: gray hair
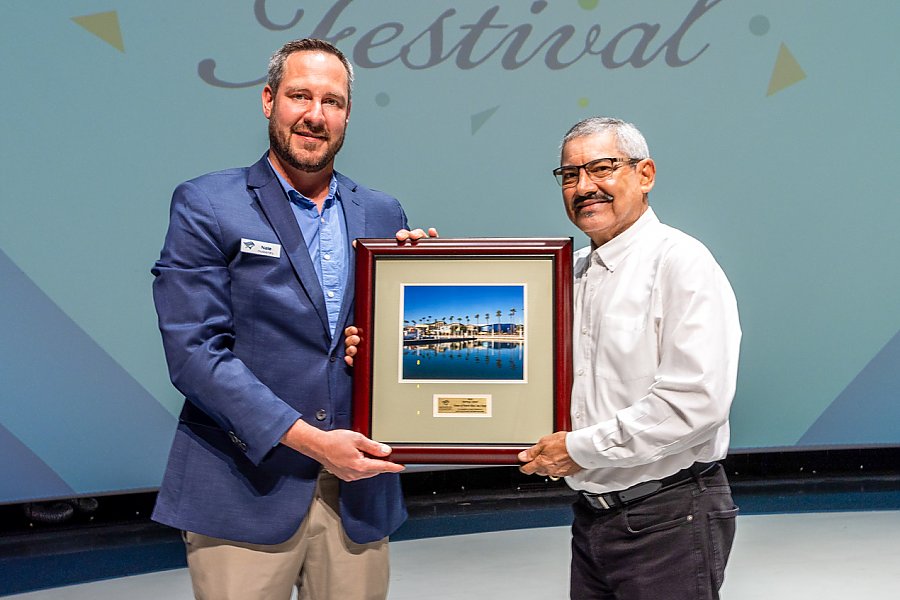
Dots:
{"x": 628, "y": 138}
{"x": 276, "y": 63}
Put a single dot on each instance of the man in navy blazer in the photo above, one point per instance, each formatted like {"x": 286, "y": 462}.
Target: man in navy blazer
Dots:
{"x": 253, "y": 289}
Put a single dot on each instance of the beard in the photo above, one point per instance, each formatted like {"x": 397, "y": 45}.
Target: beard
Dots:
{"x": 280, "y": 142}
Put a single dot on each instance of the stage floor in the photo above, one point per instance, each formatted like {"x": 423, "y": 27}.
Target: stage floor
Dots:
{"x": 798, "y": 556}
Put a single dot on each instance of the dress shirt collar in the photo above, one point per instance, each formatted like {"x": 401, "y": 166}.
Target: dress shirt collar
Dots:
{"x": 301, "y": 200}
{"x": 612, "y": 253}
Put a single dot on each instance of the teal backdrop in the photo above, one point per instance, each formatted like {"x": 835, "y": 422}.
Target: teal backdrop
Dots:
{"x": 773, "y": 125}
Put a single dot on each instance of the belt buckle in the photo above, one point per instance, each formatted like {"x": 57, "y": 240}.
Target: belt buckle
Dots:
{"x": 597, "y": 501}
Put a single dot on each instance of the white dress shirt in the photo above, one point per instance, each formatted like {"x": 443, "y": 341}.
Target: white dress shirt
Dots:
{"x": 655, "y": 360}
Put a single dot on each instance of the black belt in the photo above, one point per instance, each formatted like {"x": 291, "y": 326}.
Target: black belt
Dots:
{"x": 611, "y": 500}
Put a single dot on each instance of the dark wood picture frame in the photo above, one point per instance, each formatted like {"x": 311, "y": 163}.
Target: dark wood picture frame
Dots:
{"x": 370, "y": 253}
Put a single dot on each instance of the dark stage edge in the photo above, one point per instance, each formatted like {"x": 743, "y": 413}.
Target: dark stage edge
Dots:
{"x": 119, "y": 540}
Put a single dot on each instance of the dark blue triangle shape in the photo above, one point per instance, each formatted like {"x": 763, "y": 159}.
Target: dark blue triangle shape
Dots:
{"x": 867, "y": 411}
{"x": 24, "y": 475}
{"x": 72, "y": 406}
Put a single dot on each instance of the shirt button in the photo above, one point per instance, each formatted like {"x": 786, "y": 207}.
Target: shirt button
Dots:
{"x": 327, "y": 257}
{"x": 321, "y": 414}
{"x": 581, "y": 371}
{"x": 584, "y": 330}
{"x": 331, "y": 294}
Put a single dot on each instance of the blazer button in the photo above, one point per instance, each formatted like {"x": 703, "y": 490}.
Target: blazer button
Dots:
{"x": 321, "y": 414}
{"x": 237, "y": 441}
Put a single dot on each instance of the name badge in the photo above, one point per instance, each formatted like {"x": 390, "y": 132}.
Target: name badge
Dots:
{"x": 261, "y": 248}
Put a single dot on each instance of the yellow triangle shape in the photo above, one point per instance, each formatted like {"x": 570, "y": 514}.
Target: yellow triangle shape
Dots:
{"x": 786, "y": 73}
{"x": 105, "y": 26}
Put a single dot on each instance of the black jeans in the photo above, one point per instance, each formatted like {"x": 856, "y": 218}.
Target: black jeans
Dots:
{"x": 670, "y": 546}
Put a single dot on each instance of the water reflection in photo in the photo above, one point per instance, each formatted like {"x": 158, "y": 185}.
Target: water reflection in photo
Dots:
{"x": 478, "y": 360}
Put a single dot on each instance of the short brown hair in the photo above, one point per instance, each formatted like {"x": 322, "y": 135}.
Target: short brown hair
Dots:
{"x": 276, "y": 63}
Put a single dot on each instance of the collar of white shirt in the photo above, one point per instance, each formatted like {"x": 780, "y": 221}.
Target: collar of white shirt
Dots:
{"x": 612, "y": 253}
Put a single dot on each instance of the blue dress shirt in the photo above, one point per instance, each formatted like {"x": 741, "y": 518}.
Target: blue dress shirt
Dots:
{"x": 325, "y": 234}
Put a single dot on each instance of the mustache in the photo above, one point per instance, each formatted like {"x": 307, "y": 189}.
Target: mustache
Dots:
{"x": 602, "y": 197}
{"x": 310, "y": 130}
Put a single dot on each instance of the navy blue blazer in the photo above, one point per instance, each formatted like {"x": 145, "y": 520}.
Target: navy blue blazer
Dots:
{"x": 247, "y": 342}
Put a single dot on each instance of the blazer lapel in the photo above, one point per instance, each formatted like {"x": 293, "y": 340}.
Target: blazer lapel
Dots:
{"x": 355, "y": 218}
{"x": 277, "y": 209}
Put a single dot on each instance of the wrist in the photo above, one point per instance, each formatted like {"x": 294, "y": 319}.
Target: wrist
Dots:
{"x": 303, "y": 438}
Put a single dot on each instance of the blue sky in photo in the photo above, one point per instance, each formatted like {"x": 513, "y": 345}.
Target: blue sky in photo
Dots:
{"x": 439, "y": 301}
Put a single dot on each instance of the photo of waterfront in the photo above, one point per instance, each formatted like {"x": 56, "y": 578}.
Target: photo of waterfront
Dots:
{"x": 463, "y": 332}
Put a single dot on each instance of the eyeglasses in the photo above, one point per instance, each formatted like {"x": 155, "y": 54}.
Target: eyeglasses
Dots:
{"x": 597, "y": 170}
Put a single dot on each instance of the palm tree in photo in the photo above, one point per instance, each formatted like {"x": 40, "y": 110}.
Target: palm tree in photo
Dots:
{"x": 499, "y": 325}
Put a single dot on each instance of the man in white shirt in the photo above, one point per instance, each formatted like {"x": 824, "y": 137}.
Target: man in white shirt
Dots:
{"x": 656, "y": 341}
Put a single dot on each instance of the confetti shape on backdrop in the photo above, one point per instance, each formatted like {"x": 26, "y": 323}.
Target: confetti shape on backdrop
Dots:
{"x": 105, "y": 26}
{"x": 786, "y": 73}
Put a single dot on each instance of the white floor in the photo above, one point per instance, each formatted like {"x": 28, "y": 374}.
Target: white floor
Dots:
{"x": 814, "y": 556}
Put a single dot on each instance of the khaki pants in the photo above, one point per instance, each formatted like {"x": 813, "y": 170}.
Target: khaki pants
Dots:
{"x": 319, "y": 559}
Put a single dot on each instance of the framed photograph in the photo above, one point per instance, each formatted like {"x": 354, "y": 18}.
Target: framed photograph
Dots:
{"x": 466, "y": 353}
